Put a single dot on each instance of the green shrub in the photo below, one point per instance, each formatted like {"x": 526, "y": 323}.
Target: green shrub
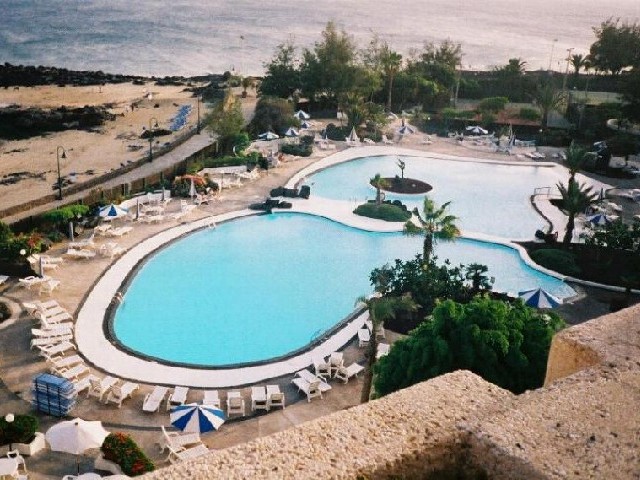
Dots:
{"x": 297, "y": 150}
{"x": 528, "y": 113}
{"x": 492, "y": 104}
{"x": 387, "y": 212}
{"x": 21, "y": 430}
{"x": 556, "y": 260}
{"x": 121, "y": 449}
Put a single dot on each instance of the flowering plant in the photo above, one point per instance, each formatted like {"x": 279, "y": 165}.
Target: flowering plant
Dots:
{"x": 121, "y": 449}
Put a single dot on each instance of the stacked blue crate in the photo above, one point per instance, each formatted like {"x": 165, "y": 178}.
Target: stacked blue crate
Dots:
{"x": 53, "y": 395}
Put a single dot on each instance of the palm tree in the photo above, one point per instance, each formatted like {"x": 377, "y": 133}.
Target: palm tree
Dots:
{"x": 577, "y": 62}
{"x": 576, "y": 158}
{"x": 548, "y": 98}
{"x": 391, "y": 64}
{"x": 576, "y": 198}
{"x": 435, "y": 225}
{"x": 379, "y": 183}
{"x": 380, "y": 309}
{"x": 401, "y": 165}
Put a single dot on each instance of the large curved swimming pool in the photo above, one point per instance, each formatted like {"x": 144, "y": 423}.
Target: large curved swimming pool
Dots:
{"x": 263, "y": 287}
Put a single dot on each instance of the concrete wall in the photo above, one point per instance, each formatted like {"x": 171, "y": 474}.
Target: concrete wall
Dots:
{"x": 585, "y": 423}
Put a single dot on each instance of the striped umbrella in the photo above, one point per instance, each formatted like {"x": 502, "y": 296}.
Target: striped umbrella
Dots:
{"x": 539, "y": 298}
{"x": 196, "y": 418}
{"x": 599, "y": 219}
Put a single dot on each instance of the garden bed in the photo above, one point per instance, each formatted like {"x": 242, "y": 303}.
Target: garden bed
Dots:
{"x": 410, "y": 186}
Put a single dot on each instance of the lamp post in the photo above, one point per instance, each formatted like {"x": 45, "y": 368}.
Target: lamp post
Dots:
{"x": 553, "y": 46}
{"x": 153, "y": 123}
{"x": 58, "y": 157}
{"x": 9, "y": 418}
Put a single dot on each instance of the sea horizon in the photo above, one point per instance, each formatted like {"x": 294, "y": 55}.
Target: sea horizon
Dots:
{"x": 198, "y": 38}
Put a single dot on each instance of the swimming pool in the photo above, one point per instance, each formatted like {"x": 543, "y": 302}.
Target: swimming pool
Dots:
{"x": 263, "y": 287}
{"x": 488, "y": 198}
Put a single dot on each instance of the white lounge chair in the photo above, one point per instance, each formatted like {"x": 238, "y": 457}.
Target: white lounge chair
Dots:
{"x": 259, "y": 399}
{"x": 118, "y": 232}
{"x": 82, "y": 384}
{"x": 111, "y": 250}
{"x": 71, "y": 373}
{"x": 53, "y": 315}
{"x": 383, "y": 349}
{"x": 44, "y": 342}
{"x": 153, "y": 400}
{"x": 31, "y": 280}
{"x": 58, "y": 347}
{"x": 65, "y": 329}
{"x": 100, "y": 387}
{"x": 310, "y": 389}
{"x": 345, "y": 373}
{"x": 235, "y": 403}
{"x": 336, "y": 360}
{"x": 187, "y": 453}
{"x": 65, "y": 362}
{"x": 211, "y": 397}
{"x": 310, "y": 377}
{"x": 119, "y": 393}
{"x": 275, "y": 398}
{"x": 178, "y": 441}
{"x": 363, "y": 337}
{"x": 177, "y": 397}
{"x": 80, "y": 254}
{"x": 322, "y": 367}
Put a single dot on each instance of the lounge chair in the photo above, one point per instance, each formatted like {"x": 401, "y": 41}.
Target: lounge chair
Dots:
{"x": 322, "y": 367}
{"x": 102, "y": 229}
{"x": 235, "y": 404}
{"x": 66, "y": 329}
{"x": 211, "y": 397}
{"x": 120, "y": 393}
{"x": 111, "y": 250}
{"x": 336, "y": 360}
{"x": 386, "y": 141}
{"x": 363, "y": 337}
{"x": 345, "y": 373}
{"x": 44, "y": 307}
{"x": 48, "y": 312}
{"x": 259, "y": 399}
{"x": 87, "y": 243}
{"x": 45, "y": 342}
{"x": 100, "y": 387}
{"x": 71, "y": 373}
{"x": 31, "y": 280}
{"x": 153, "y": 400}
{"x": 15, "y": 454}
{"x": 65, "y": 362}
{"x": 187, "y": 453}
{"x": 53, "y": 315}
{"x": 118, "y": 232}
{"x": 81, "y": 254}
{"x": 58, "y": 347}
{"x": 82, "y": 384}
{"x": 178, "y": 441}
{"x": 275, "y": 398}
{"x": 310, "y": 389}
{"x": 48, "y": 286}
{"x": 383, "y": 349}
{"x": 177, "y": 397}
{"x": 310, "y": 377}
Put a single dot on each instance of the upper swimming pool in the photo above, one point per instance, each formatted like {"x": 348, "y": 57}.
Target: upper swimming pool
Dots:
{"x": 263, "y": 287}
{"x": 488, "y": 198}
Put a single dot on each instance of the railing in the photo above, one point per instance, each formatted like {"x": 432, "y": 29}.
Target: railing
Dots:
{"x": 542, "y": 191}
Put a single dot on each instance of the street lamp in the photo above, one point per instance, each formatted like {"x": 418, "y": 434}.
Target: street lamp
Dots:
{"x": 58, "y": 157}
{"x": 153, "y": 123}
{"x": 9, "y": 418}
{"x": 553, "y": 45}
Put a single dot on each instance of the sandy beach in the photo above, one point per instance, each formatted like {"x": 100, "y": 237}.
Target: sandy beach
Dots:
{"x": 88, "y": 153}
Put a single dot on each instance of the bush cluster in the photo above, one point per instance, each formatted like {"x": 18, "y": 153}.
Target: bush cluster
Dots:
{"x": 389, "y": 212}
{"x": 297, "y": 150}
{"x": 21, "y": 430}
{"x": 121, "y": 449}
{"x": 556, "y": 260}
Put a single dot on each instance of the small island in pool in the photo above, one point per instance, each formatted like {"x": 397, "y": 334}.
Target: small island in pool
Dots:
{"x": 405, "y": 185}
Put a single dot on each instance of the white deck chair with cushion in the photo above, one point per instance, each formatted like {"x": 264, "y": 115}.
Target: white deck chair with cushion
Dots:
{"x": 310, "y": 377}
{"x": 177, "y": 397}
{"x": 65, "y": 362}
{"x": 310, "y": 389}
{"x": 259, "y": 399}
{"x": 56, "y": 348}
{"x": 119, "y": 393}
{"x": 71, "y": 373}
{"x": 275, "y": 398}
{"x": 322, "y": 367}
{"x": 44, "y": 343}
{"x": 235, "y": 403}
{"x": 211, "y": 397}
{"x": 345, "y": 373}
{"x": 363, "y": 337}
{"x": 153, "y": 400}
{"x": 336, "y": 360}
{"x": 82, "y": 384}
{"x": 100, "y": 387}
{"x": 55, "y": 331}
{"x": 178, "y": 441}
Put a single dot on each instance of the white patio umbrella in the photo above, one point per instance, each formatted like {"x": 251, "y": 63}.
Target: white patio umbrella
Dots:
{"x": 476, "y": 130}
{"x": 111, "y": 212}
{"x": 539, "y": 298}
{"x": 268, "y": 136}
{"x": 192, "y": 189}
{"x": 76, "y": 436}
{"x": 353, "y": 136}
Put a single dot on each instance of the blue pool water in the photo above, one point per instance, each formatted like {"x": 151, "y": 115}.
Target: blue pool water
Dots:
{"x": 488, "y": 198}
{"x": 262, "y": 287}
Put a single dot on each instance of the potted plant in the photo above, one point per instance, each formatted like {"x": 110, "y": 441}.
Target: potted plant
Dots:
{"x": 121, "y": 451}
{"x": 18, "y": 432}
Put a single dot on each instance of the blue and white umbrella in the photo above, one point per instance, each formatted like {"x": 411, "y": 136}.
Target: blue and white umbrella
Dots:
{"x": 305, "y": 124}
{"x": 302, "y": 115}
{"x": 291, "y": 132}
{"x": 406, "y": 130}
{"x": 196, "y": 418}
{"x": 109, "y": 212}
{"x": 539, "y": 298}
{"x": 268, "y": 136}
{"x": 599, "y": 219}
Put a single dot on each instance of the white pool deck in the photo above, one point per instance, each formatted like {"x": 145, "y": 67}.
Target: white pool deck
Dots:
{"x": 99, "y": 350}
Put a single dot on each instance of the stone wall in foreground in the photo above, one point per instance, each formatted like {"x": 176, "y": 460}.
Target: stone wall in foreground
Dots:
{"x": 585, "y": 423}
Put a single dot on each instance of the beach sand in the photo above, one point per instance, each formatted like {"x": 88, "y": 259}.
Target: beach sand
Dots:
{"x": 88, "y": 153}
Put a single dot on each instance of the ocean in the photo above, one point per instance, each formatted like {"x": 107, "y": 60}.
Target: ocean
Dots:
{"x": 187, "y": 37}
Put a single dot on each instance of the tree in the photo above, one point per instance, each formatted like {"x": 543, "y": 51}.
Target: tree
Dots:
{"x": 476, "y": 272}
{"x": 575, "y": 160}
{"x": 511, "y": 79}
{"x": 379, "y": 183}
{"x": 380, "y": 309}
{"x": 506, "y": 344}
{"x": 391, "y": 64}
{"x": 617, "y": 46}
{"x": 576, "y": 198}
{"x": 548, "y": 98}
{"x": 272, "y": 114}
{"x": 578, "y": 61}
{"x": 401, "y": 165}
{"x": 631, "y": 95}
{"x": 226, "y": 121}
{"x": 435, "y": 224}
{"x": 282, "y": 76}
